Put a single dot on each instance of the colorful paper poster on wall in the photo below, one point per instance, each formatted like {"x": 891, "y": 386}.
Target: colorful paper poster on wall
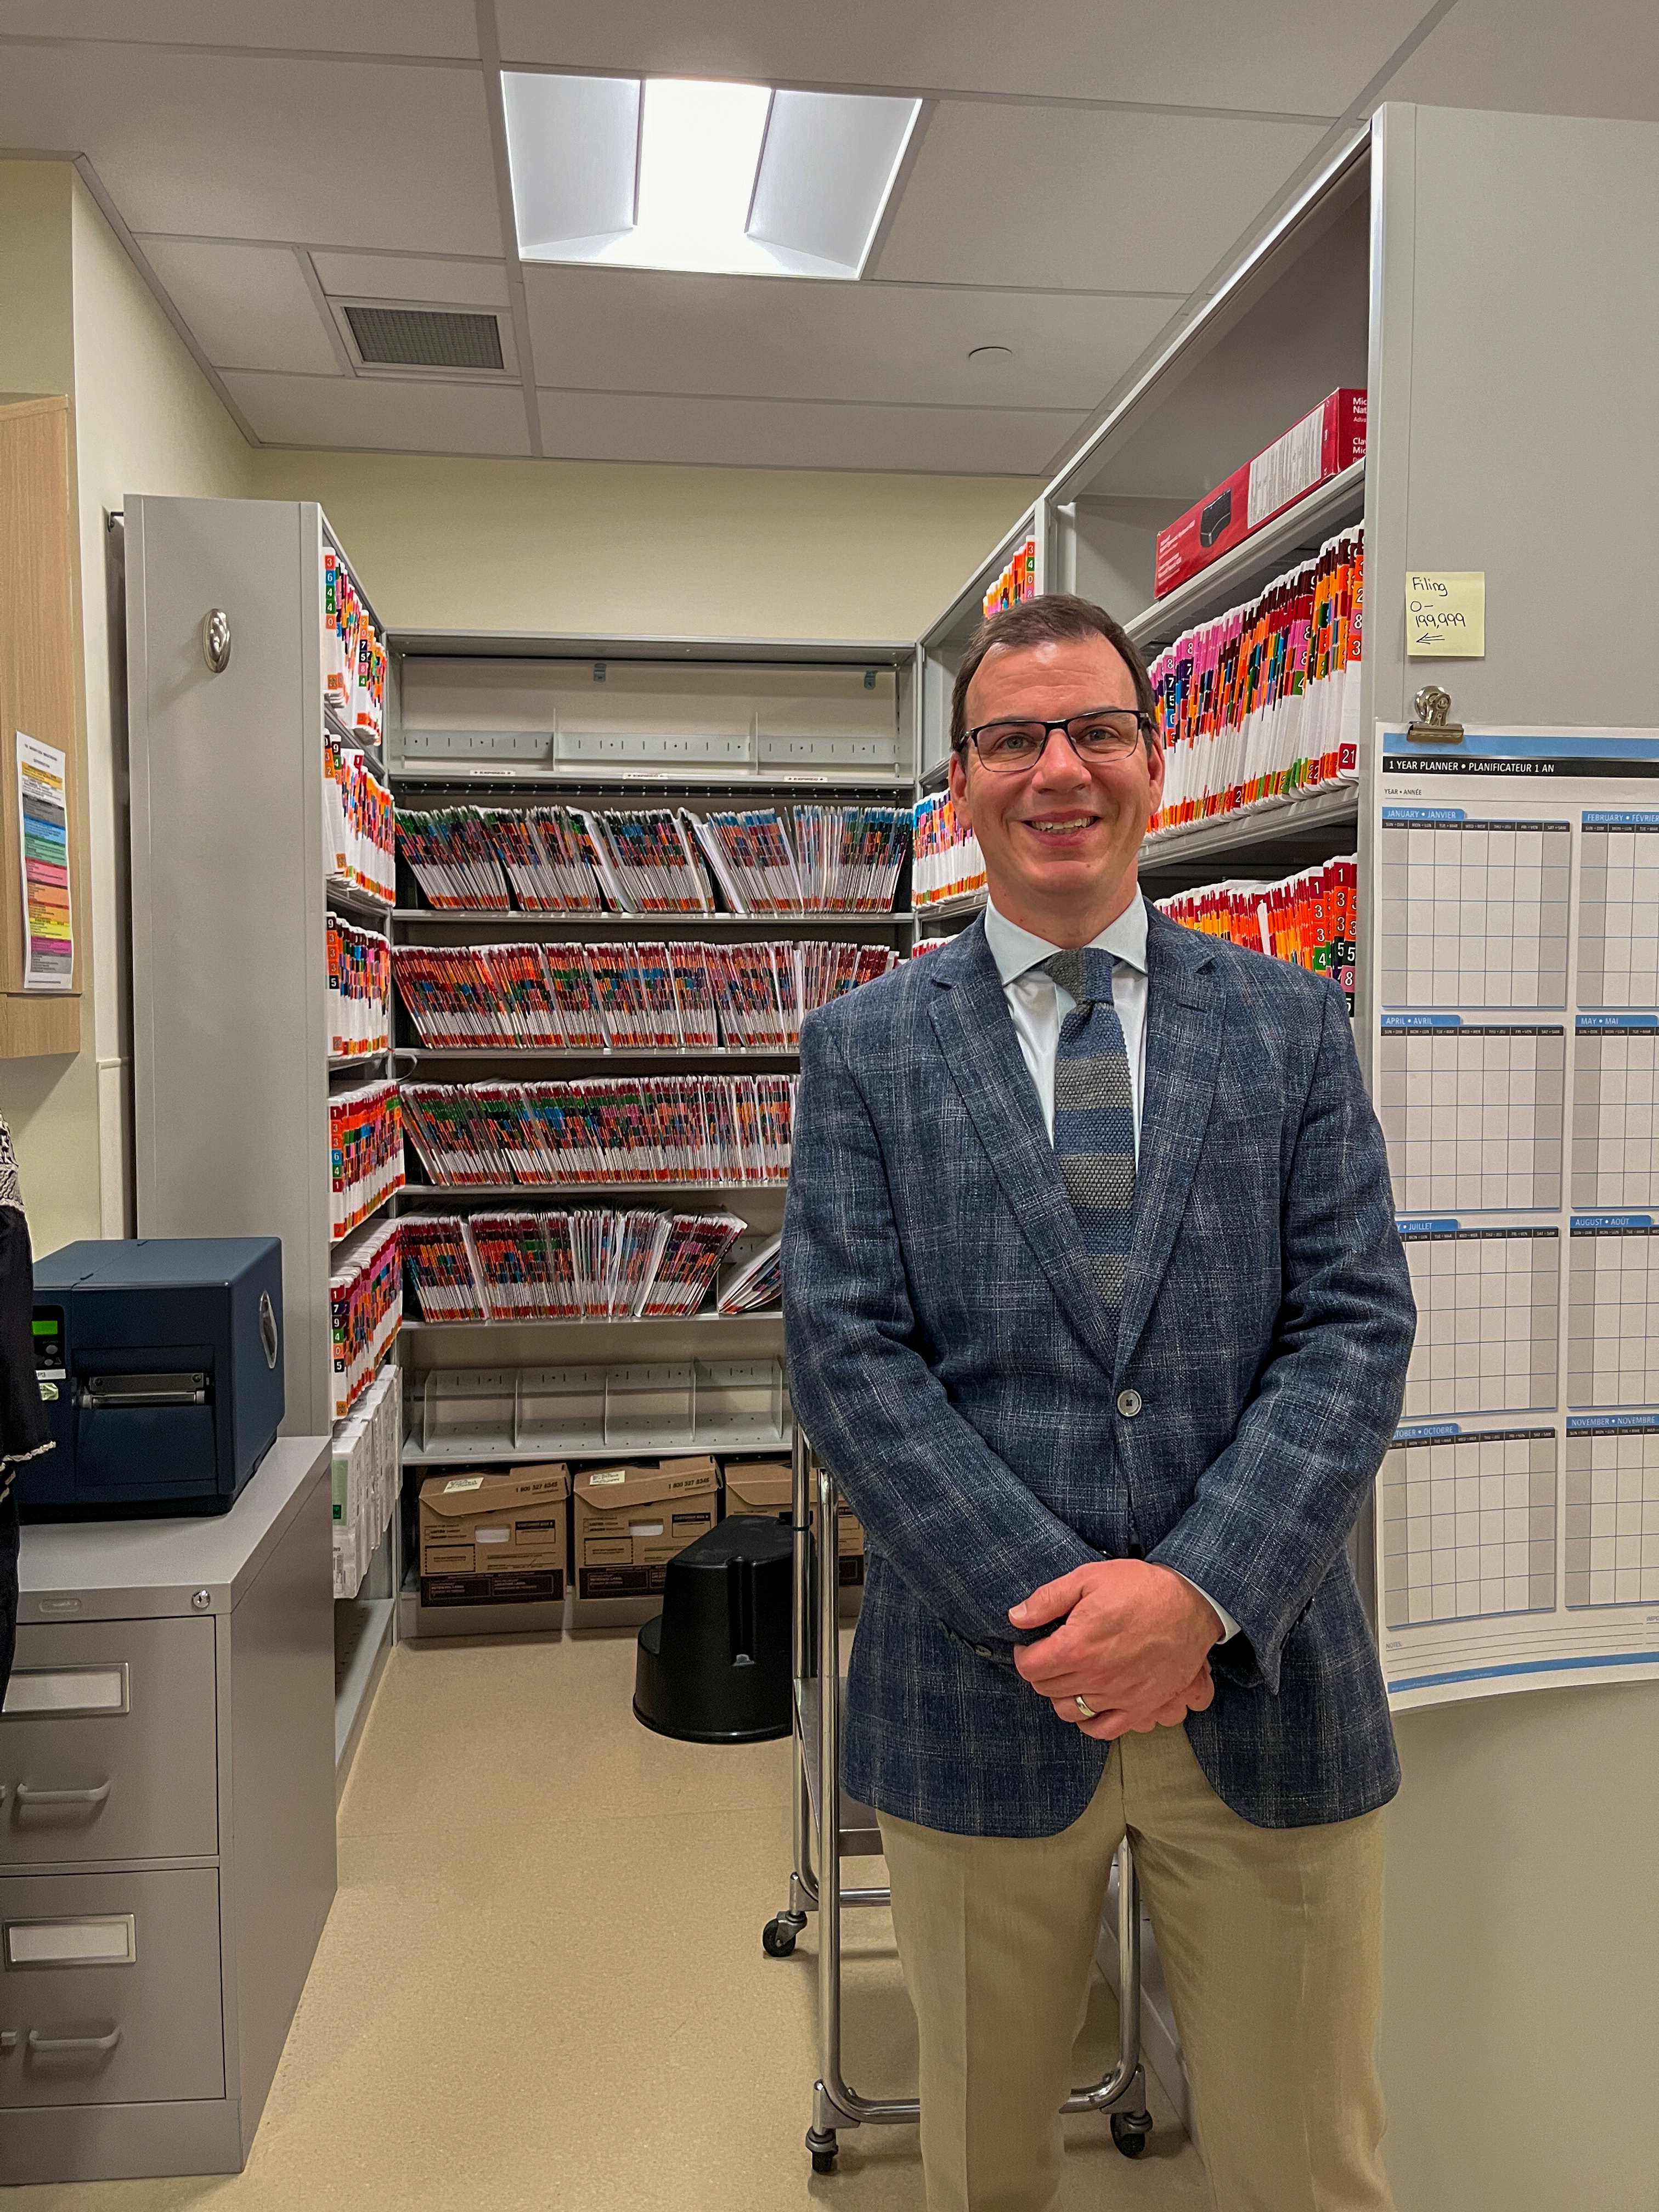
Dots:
{"x": 1515, "y": 1040}
{"x": 43, "y": 824}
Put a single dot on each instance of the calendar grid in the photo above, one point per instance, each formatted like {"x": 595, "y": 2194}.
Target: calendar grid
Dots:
{"x": 1613, "y": 1357}
{"x": 1487, "y": 1320}
{"x": 1613, "y": 1513}
{"x": 1474, "y": 1116}
{"x": 1468, "y": 1526}
{"x": 1619, "y": 915}
{"x": 1615, "y": 1149}
{"x": 1474, "y": 914}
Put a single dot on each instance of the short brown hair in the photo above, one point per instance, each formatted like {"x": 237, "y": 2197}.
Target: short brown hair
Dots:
{"x": 1055, "y": 618}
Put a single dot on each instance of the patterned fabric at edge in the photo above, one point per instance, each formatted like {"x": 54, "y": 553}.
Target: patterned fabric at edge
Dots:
{"x": 1095, "y": 1117}
{"x": 995, "y": 1423}
{"x": 24, "y": 1433}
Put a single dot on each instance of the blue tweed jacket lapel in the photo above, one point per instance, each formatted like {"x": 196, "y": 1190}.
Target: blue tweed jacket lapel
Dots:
{"x": 1185, "y": 1009}
{"x": 976, "y": 1037}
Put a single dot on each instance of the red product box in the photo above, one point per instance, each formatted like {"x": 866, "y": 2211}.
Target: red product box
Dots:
{"x": 1320, "y": 445}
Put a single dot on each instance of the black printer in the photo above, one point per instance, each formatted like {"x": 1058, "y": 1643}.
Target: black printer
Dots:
{"x": 160, "y": 1363}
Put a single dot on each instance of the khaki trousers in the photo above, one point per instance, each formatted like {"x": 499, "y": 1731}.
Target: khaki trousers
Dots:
{"x": 1271, "y": 1939}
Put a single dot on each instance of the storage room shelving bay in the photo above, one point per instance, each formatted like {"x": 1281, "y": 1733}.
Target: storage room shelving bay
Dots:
{"x": 1439, "y": 260}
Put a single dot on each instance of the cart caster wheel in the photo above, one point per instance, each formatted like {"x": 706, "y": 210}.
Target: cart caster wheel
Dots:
{"x": 777, "y": 1941}
{"x": 1130, "y": 2131}
{"x": 824, "y": 2161}
{"x": 823, "y": 2148}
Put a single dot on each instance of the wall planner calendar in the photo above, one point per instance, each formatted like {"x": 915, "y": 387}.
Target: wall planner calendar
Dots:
{"x": 1514, "y": 998}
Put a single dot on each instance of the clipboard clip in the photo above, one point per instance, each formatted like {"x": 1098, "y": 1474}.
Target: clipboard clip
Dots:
{"x": 1432, "y": 727}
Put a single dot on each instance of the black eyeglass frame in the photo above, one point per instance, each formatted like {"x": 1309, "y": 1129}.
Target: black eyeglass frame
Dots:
{"x": 1144, "y": 725}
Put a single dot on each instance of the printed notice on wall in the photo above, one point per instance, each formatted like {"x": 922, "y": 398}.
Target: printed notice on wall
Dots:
{"x": 42, "y": 825}
{"x": 1515, "y": 998}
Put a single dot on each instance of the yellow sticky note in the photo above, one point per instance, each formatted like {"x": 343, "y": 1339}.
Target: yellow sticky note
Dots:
{"x": 1445, "y": 614}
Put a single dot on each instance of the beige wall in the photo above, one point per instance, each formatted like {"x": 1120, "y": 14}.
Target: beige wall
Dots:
{"x": 1521, "y": 1950}
{"x": 146, "y": 421}
{"x": 50, "y": 1105}
{"x": 75, "y": 318}
{"x": 603, "y": 548}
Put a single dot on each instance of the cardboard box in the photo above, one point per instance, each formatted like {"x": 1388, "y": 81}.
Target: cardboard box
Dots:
{"x": 765, "y": 1486}
{"x": 849, "y": 1550}
{"x": 630, "y": 1521}
{"x": 495, "y": 1537}
{"x": 1320, "y": 445}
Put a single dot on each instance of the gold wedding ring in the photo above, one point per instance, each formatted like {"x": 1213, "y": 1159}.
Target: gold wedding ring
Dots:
{"x": 1084, "y": 1708}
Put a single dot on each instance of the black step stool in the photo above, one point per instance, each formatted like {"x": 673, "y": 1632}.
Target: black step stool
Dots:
{"x": 713, "y": 1665}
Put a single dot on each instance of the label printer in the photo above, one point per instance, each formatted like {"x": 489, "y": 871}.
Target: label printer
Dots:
{"x": 161, "y": 1364}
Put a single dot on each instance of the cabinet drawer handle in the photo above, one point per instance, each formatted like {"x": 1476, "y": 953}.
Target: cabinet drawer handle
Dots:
{"x": 54, "y": 2043}
{"x": 95, "y": 1796}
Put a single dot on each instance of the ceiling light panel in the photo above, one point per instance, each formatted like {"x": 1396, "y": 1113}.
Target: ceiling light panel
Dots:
{"x": 683, "y": 173}
{"x": 572, "y": 143}
{"x": 831, "y": 160}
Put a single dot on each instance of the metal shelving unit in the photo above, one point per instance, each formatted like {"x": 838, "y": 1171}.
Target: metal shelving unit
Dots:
{"x": 711, "y": 711}
{"x": 580, "y": 924}
{"x": 230, "y": 899}
{"x": 1295, "y": 535}
{"x": 595, "y": 1060}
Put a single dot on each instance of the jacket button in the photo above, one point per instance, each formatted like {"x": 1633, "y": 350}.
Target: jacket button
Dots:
{"x": 1128, "y": 1403}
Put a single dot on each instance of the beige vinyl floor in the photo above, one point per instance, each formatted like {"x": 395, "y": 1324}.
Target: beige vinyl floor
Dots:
{"x": 542, "y": 1983}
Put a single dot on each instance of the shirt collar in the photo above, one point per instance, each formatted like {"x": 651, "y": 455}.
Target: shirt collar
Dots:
{"x": 1015, "y": 949}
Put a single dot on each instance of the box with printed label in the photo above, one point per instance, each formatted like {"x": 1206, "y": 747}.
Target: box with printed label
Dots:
{"x": 1320, "y": 445}
{"x": 630, "y": 1521}
{"x": 495, "y": 1537}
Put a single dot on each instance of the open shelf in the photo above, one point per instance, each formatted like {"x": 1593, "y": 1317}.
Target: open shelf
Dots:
{"x": 1295, "y": 535}
{"x": 577, "y": 922}
{"x": 360, "y": 905}
{"x": 371, "y": 752}
{"x": 493, "y": 1193}
{"x": 1266, "y": 827}
{"x": 456, "y": 1452}
{"x": 703, "y": 1323}
{"x": 358, "y": 1227}
{"x": 943, "y": 909}
{"x": 595, "y": 1058}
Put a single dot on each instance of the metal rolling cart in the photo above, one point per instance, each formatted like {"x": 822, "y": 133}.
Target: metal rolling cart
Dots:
{"x": 830, "y": 1827}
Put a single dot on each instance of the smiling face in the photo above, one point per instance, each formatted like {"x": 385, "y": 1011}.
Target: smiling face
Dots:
{"x": 1060, "y": 840}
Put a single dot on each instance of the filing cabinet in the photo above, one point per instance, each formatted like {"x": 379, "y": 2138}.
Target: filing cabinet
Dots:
{"x": 167, "y": 1826}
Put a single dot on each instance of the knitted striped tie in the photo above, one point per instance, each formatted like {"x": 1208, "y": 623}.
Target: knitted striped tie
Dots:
{"x": 1094, "y": 1117}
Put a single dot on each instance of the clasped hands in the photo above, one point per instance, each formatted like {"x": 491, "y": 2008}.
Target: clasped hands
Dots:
{"x": 1133, "y": 1643}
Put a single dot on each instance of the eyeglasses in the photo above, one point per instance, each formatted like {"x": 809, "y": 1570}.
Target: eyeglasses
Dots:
{"x": 1109, "y": 733}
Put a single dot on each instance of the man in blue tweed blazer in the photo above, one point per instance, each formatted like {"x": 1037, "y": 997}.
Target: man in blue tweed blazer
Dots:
{"x": 1106, "y": 1499}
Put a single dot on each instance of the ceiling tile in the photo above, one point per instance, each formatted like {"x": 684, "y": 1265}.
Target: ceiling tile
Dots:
{"x": 781, "y": 434}
{"x": 373, "y": 414}
{"x": 649, "y": 331}
{"x": 411, "y": 276}
{"x": 1129, "y": 202}
{"x": 1303, "y": 57}
{"x": 364, "y": 26}
{"x": 249, "y": 307}
{"x": 1601, "y": 58}
{"x": 328, "y": 154}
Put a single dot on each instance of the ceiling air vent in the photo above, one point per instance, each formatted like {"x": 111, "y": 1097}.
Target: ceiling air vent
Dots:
{"x": 425, "y": 338}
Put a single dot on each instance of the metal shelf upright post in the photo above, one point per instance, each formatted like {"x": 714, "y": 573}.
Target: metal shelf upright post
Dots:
{"x": 232, "y": 892}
